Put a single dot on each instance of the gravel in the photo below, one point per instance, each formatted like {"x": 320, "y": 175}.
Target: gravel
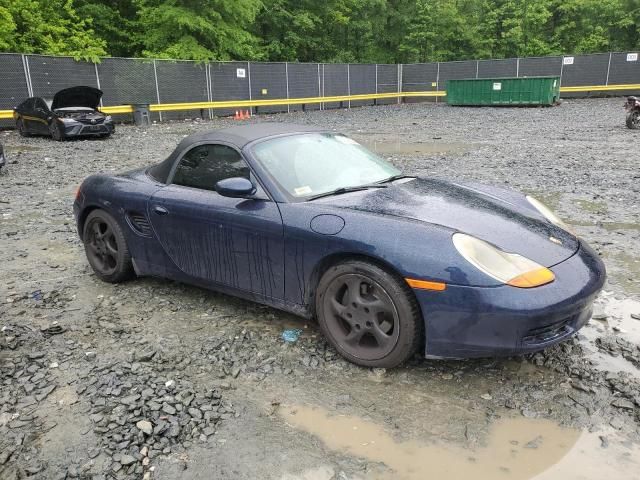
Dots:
{"x": 149, "y": 378}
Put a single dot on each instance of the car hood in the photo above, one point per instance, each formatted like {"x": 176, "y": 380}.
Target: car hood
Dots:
{"x": 500, "y": 217}
{"x": 77, "y": 97}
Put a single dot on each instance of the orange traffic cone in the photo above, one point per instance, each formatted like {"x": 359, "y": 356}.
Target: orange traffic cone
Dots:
{"x": 248, "y": 114}
{"x": 237, "y": 116}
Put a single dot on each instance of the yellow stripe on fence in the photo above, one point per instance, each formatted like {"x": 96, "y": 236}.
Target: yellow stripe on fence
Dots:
{"x": 601, "y": 88}
{"x": 171, "y": 107}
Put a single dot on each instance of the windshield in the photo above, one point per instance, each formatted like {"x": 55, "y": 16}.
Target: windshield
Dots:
{"x": 316, "y": 163}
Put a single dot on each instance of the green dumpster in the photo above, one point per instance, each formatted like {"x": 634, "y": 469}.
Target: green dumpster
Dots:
{"x": 504, "y": 91}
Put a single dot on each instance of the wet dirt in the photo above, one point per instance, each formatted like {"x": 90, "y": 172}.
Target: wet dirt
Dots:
{"x": 582, "y": 164}
{"x": 515, "y": 449}
{"x": 398, "y": 147}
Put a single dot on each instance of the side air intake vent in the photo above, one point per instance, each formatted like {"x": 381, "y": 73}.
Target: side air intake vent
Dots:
{"x": 139, "y": 223}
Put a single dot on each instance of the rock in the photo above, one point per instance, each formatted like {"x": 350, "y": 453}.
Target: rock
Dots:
{"x": 145, "y": 356}
{"x": 535, "y": 443}
{"x": 145, "y": 427}
{"x": 486, "y": 396}
{"x": 623, "y": 403}
{"x": 127, "y": 459}
{"x": 90, "y": 355}
{"x": 168, "y": 409}
{"x": 195, "y": 413}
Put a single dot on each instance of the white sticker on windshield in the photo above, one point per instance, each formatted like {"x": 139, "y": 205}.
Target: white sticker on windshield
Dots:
{"x": 306, "y": 190}
{"x": 346, "y": 140}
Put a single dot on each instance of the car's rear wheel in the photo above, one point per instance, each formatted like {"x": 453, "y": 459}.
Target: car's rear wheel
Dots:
{"x": 22, "y": 129}
{"x": 56, "y": 132}
{"x": 368, "y": 314}
{"x": 106, "y": 248}
{"x": 633, "y": 119}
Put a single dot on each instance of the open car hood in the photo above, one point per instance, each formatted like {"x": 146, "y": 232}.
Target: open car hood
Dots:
{"x": 77, "y": 97}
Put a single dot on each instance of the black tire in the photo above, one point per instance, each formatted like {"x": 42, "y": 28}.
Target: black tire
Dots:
{"x": 106, "y": 248}
{"x": 633, "y": 120}
{"x": 56, "y": 132}
{"x": 22, "y": 130}
{"x": 368, "y": 314}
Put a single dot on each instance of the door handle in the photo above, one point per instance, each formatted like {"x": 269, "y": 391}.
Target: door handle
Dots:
{"x": 160, "y": 210}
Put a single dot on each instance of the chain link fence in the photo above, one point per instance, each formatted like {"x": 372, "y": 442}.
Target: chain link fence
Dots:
{"x": 127, "y": 81}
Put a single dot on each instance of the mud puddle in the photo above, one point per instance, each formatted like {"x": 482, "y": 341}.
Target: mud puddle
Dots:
{"x": 417, "y": 148}
{"x": 22, "y": 149}
{"x": 618, "y": 316}
{"x": 515, "y": 449}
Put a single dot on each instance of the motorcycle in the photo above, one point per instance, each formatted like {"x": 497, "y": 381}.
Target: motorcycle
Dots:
{"x": 633, "y": 116}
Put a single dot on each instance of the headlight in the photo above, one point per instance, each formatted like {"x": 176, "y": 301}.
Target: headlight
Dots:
{"x": 67, "y": 120}
{"x": 549, "y": 215}
{"x": 509, "y": 268}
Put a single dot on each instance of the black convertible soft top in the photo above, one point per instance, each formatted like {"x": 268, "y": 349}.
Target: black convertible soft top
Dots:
{"x": 238, "y": 136}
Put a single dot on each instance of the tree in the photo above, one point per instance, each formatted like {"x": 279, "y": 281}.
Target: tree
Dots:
{"x": 198, "y": 30}
{"x": 116, "y": 22}
{"x": 48, "y": 27}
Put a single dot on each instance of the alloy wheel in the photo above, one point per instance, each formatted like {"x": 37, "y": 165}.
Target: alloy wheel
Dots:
{"x": 102, "y": 247}
{"x": 361, "y": 316}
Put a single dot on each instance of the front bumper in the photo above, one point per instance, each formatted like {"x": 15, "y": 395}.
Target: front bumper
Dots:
{"x": 466, "y": 322}
{"x": 77, "y": 129}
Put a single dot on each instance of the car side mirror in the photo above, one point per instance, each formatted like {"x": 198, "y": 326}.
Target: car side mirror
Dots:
{"x": 235, "y": 187}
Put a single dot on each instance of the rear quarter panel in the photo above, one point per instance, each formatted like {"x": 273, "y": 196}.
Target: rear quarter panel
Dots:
{"x": 121, "y": 195}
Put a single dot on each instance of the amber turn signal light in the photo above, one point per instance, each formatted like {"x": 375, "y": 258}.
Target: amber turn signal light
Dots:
{"x": 426, "y": 285}
{"x": 533, "y": 278}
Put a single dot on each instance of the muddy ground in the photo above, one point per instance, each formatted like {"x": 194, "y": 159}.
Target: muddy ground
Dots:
{"x": 153, "y": 379}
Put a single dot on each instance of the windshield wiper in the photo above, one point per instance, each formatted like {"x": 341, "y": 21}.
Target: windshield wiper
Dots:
{"x": 397, "y": 177}
{"x": 341, "y": 190}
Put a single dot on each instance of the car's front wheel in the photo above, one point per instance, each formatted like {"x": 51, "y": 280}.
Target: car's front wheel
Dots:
{"x": 56, "y": 131}
{"x": 22, "y": 129}
{"x": 106, "y": 248}
{"x": 633, "y": 119}
{"x": 368, "y": 314}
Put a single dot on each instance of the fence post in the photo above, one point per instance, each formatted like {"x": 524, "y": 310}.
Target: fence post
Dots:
{"x": 27, "y": 74}
{"x": 399, "y": 80}
{"x": 319, "y": 87}
{"x": 155, "y": 75}
{"x": 608, "y": 68}
{"x": 477, "y": 67}
{"x": 95, "y": 66}
{"x": 323, "y": 88}
{"x": 249, "y": 79}
{"x": 437, "y": 80}
{"x": 375, "y": 100}
{"x": 349, "y": 84}
{"x": 518, "y": 67}
{"x": 286, "y": 73}
{"x": 207, "y": 73}
{"x": 561, "y": 68}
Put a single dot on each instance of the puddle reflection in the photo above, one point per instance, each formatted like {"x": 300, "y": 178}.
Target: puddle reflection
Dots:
{"x": 516, "y": 449}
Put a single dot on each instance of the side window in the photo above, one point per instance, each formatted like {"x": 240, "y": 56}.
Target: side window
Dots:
{"x": 27, "y": 104}
{"x": 205, "y": 165}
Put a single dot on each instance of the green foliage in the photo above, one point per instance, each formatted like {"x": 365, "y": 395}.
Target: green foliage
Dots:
{"x": 383, "y": 31}
{"x": 50, "y": 27}
{"x": 198, "y": 29}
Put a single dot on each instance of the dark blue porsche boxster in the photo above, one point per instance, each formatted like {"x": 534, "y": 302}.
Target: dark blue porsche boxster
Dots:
{"x": 311, "y": 222}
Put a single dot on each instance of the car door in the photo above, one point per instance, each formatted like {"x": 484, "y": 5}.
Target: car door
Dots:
{"x": 214, "y": 239}
{"x": 39, "y": 117}
{"x": 27, "y": 114}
